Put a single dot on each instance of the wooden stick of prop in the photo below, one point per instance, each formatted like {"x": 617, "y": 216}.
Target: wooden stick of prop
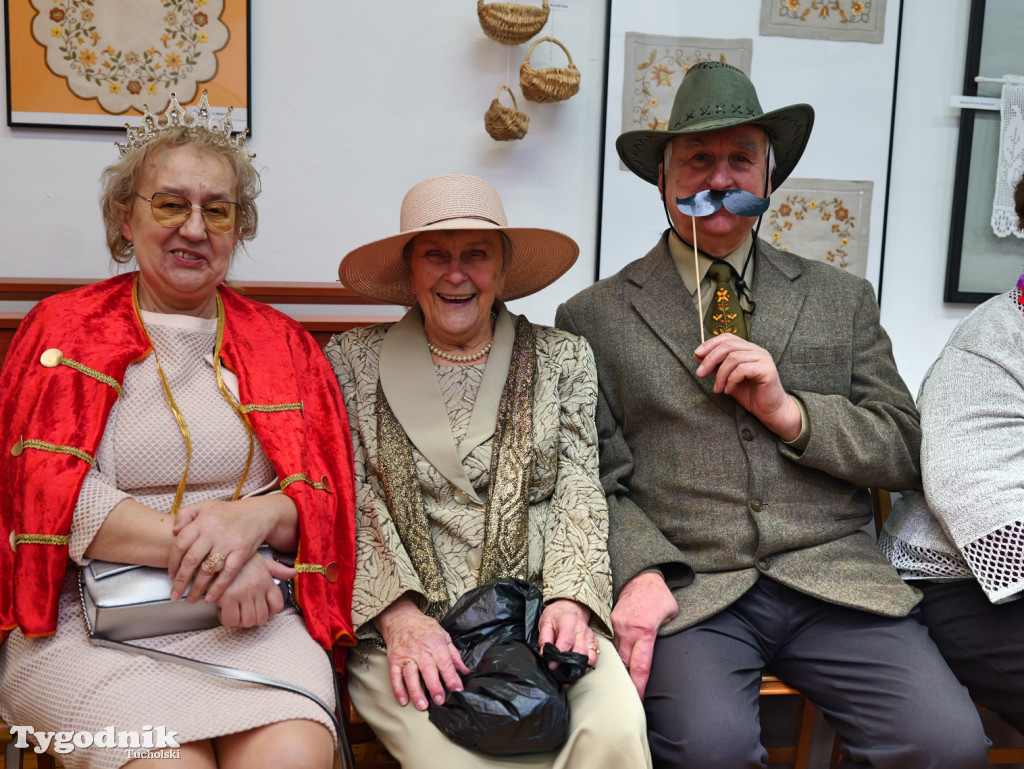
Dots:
{"x": 696, "y": 272}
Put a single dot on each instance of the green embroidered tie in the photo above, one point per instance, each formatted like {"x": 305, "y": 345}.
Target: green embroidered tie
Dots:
{"x": 724, "y": 315}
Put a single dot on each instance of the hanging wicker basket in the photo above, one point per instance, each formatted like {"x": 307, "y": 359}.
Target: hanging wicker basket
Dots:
{"x": 511, "y": 23}
{"x": 505, "y": 123}
{"x": 552, "y": 83}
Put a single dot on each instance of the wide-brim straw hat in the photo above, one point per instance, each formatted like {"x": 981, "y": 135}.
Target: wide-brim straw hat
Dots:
{"x": 713, "y": 96}
{"x": 456, "y": 202}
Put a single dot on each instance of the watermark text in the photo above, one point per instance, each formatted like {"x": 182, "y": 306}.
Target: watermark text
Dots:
{"x": 150, "y": 738}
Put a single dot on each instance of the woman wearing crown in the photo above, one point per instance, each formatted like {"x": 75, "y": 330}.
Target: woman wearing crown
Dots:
{"x": 158, "y": 418}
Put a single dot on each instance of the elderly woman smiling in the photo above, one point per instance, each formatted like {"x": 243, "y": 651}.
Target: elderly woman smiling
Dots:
{"x": 476, "y": 459}
{"x": 143, "y": 420}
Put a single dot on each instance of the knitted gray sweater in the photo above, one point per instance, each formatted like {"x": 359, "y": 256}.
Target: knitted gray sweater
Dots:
{"x": 970, "y": 520}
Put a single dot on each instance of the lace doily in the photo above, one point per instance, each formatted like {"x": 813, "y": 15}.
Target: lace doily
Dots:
{"x": 130, "y": 54}
{"x": 1011, "y": 157}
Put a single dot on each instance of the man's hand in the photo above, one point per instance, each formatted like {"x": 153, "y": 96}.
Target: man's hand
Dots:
{"x": 747, "y": 373}
{"x": 644, "y": 605}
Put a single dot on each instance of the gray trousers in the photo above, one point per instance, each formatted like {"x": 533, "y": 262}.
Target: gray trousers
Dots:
{"x": 879, "y": 681}
{"x": 982, "y": 642}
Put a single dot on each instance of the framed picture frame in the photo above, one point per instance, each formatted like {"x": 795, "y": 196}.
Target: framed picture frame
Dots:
{"x": 97, "y": 64}
{"x": 980, "y": 264}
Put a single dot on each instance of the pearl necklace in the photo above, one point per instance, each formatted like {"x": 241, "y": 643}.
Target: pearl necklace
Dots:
{"x": 460, "y": 358}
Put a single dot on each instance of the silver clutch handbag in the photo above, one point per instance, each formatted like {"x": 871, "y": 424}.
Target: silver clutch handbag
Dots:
{"x": 124, "y": 601}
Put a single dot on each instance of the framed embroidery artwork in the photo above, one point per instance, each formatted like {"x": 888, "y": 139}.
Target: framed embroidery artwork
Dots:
{"x": 654, "y": 66}
{"x": 835, "y": 20}
{"x": 822, "y": 219}
{"x": 98, "y": 63}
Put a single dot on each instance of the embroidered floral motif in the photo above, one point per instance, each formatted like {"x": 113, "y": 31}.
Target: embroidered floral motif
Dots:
{"x": 182, "y": 43}
{"x": 654, "y": 67}
{"x": 854, "y": 20}
{"x": 798, "y": 207}
{"x": 856, "y": 12}
{"x": 725, "y": 321}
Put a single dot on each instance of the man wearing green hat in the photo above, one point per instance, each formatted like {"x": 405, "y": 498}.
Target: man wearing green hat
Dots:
{"x": 748, "y": 400}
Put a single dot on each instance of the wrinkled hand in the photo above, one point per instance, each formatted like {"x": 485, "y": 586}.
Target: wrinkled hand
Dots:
{"x": 212, "y": 527}
{"x": 253, "y": 597}
{"x": 565, "y": 624}
{"x": 420, "y": 652}
{"x": 747, "y": 373}
{"x": 644, "y": 605}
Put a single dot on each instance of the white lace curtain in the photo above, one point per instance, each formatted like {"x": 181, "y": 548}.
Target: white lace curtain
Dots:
{"x": 1011, "y": 157}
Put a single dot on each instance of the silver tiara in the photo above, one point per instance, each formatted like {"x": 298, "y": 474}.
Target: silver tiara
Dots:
{"x": 176, "y": 115}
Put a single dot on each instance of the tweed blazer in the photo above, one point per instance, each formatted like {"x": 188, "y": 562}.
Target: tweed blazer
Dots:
{"x": 699, "y": 487}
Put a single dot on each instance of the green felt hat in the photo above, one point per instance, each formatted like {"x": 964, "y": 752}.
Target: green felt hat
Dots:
{"x": 715, "y": 95}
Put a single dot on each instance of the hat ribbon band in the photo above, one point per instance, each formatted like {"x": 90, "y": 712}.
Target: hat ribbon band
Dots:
{"x": 452, "y": 218}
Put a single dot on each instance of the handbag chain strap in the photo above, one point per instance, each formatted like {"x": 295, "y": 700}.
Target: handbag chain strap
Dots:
{"x": 235, "y": 674}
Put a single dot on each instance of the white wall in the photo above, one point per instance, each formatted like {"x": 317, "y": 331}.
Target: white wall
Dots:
{"x": 932, "y": 55}
{"x": 353, "y": 103}
{"x": 353, "y": 109}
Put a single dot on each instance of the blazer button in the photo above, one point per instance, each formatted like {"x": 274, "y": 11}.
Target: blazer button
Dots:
{"x": 474, "y": 558}
{"x": 461, "y": 497}
{"x": 756, "y": 505}
{"x": 747, "y": 434}
{"x": 763, "y": 565}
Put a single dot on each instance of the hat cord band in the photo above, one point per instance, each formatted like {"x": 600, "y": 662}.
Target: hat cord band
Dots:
{"x": 452, "y": 218}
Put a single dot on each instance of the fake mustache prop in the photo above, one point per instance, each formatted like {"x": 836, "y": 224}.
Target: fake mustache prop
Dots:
{"x": 705, "y": 203}
{"x": 739, "y": 202}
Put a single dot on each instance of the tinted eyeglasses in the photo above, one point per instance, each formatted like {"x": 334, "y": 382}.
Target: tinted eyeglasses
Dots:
{"x": 172, "y": 210}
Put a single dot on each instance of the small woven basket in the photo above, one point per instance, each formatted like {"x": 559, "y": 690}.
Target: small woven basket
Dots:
{"x": 511, "y": 23}
{"x": 505, "y": 123}
{"x": 552, "y": 83}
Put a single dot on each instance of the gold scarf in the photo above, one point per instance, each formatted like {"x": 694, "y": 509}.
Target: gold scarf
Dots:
{"x": 506, "y": 514}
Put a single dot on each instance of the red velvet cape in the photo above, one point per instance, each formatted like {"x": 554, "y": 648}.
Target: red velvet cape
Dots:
{"x": 276, "y": 362}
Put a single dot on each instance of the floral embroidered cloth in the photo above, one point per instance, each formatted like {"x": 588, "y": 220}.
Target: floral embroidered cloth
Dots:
{"x": 131, "y": 53}
{"x": 655, "y": 65}
{"x": 822, "y": 219}
{"x": 860, "y": 20}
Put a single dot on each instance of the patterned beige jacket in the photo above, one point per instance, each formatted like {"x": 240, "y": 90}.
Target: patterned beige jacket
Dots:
{"x": 568, "y": 516}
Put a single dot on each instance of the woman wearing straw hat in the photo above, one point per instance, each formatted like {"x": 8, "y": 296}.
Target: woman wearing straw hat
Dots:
{"x": 476, "y": 459}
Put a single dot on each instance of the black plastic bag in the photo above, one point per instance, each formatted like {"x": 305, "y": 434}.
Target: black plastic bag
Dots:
{"x": 511, "y": 702}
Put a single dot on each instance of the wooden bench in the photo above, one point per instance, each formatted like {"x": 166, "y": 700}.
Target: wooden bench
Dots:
{"x": 320, "y": 325}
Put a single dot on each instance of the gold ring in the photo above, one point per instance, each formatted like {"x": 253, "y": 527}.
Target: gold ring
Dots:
{"x": 407, "y": 663}
{"x": 214, "y": 563}
{"x": 595, "y": 648}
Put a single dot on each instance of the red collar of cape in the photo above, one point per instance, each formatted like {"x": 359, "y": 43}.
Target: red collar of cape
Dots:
{"x": 276, "y": 363}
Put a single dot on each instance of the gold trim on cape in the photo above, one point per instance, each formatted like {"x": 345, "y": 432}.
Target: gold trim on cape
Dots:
{"x": 54, "y": 448}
